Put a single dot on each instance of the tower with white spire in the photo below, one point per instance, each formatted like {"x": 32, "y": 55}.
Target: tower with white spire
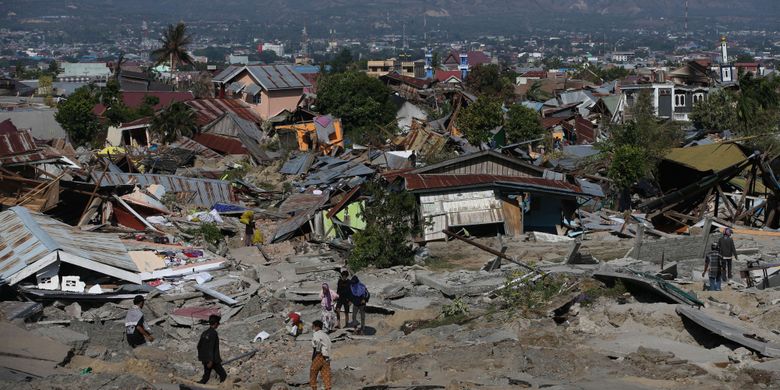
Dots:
{"x": 726, "y": 68}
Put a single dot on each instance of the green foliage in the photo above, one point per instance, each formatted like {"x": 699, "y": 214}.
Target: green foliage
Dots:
{"x": 76, "y": 117}
{"x": 173, "y": 46}
{"x": 522, "y": 124}
{"x": 363, "y": 104}
{"x": 390, "y": 225}
{"x": 342, "y": 62}
{"x": 628, "y": 166}
{"x": 594, "y": 293}
{"x": 173, "y": 122}
{"x": 536, "y": 93}
{"x": 209, "y": 232}
{"x": 635, "y": 148}
{"x": 716, "y": 112}
{"x": 457, "y": 308}
{"x": 116, "y": 110}
{"x": 45, "y": 85}
{"x": 479, "y": 118}
{"x": 488, "y": 80}
{"x": 435, "y": 59}
{"x": 215, "y": 54}
{"x": 529, "y": 293}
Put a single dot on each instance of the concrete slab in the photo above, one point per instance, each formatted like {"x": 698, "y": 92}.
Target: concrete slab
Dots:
{"x": 624, "y": 343}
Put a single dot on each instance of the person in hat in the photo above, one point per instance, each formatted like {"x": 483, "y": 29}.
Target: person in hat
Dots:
{"x": 320, "y": 356}
{"x": 728, "y": 251}
{"x": 135, "y": 329}
{"x": 716, "y": 266}
{"x": 208, "y": 351}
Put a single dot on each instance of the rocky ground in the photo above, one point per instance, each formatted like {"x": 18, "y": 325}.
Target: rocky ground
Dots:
{"x": 582, "y": 335}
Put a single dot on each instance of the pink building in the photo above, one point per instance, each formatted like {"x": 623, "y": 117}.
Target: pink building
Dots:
{"x": 268, "y": 89}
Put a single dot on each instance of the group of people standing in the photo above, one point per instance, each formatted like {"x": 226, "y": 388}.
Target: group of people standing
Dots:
{"x": 349, "y": 292}
{"x": 718, "y": 262}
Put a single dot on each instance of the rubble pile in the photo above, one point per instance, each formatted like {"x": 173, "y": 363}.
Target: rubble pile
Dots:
{"x": 525, "y": 271}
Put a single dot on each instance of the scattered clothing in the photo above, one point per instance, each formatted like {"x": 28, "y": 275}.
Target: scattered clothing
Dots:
{"x": 134, "y": 319}
{"x": 296, "y": 325}
{"x": 208, "y": 352}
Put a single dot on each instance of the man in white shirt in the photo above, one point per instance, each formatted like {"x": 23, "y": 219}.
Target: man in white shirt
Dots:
{"x": 320, "y": 357}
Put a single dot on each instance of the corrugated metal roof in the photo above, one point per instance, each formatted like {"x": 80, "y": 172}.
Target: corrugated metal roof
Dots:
{"x": 297, "y": 165}
{"x": 208, "y": 110}
{"x": 27, "y": 237}
{"x": 206, "y": 192}
{"x": 18, "y": 142}
{"x": 227, "y": 74}
{"x": 191, "y": 145}
{"x": 704, "y": 158}
{"x": 277, "y": 77}
{"x": 416, "y": 182}
{"x": 304, "y": 201}
{"x": 222, "y": 144}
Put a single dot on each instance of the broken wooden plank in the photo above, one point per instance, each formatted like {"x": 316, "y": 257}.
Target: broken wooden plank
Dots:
{"x": 487, "y": 249}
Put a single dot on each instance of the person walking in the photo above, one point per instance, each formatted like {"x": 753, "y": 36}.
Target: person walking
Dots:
{"x": 715, "y": 264}
{"x": 135, "y": 328}
{"x": 327, "y": 297}
{"x": 344, "y": 293}
{"x": 320, "y": 356}
{"x": 208, "y": 351}
{"x": 360, "y": 296}
{"x": 728, "y": 251}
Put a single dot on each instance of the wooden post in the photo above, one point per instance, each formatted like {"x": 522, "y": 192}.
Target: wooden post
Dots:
{"x": 640, "y": 233}
{"x": 94, "y": 191}
{"x": 706, "y": 234}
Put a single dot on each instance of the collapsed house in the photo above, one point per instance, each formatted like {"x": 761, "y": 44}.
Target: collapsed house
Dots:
{"x": 488, "y": 193}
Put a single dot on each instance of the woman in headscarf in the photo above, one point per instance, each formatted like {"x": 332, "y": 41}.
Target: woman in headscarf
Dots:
{"x": 328, "y": 299}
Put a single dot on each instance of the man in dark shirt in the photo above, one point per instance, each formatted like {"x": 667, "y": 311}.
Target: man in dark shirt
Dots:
{"x": 345, "y": 295}
{"x": 135, "y": 329}
{"x": 714, "y": 263}
{"x": 208, "y": 351}
{"x": 727, "y": 250}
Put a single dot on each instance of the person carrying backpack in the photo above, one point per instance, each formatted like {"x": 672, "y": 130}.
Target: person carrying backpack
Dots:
{"x": 360, "y": 297}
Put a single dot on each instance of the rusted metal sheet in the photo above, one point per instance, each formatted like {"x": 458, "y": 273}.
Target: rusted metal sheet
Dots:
{"x": 417, "y": 182}
{"x": 209, "y": 110}
{"x": 191, "y": 145}
{"x": 27, "y": 237}
{"x": 17, "y": 143}
{"x": 297, "y": 202}
{"x": 205, "y": 192}
{"x": 222, "y": 144}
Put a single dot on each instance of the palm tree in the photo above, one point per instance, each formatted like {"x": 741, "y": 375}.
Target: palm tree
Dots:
{"x": 173, "y": 122}
{"x": 174, "y": 42}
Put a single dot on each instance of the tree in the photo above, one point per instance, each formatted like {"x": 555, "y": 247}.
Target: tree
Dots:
{"x": 716, "y": 112}
{"x": 76, "y": 117}
{"x": 479, "y": 118}
{"x": 342, "y": 62}
{"x": 268, "y": 57}
{"x": 390, "y": 225}
{"x": 435, "y": 59}
{"x": 522, "y": 124}
{"x": 489, "y": 80}
{"x": 363, "y": 103}
{"x": 173, "y": 47}
{"x": 147, "y": 106}
{"x": 173, "y": 122}
{"x": 54, "y": 68}
{"x": 536, "y": 93}
{"x": 634, "y": 149}
{"x": 116, "y": 110}
{"x": 202, "y": 87}
{"x": 45, "y": 85}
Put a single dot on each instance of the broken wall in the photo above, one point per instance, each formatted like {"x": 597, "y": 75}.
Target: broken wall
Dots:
{"x": 672, "y": 249}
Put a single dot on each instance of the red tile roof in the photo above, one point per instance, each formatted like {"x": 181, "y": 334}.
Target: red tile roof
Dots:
{"x": 444, "y": 75}
{"x": 138, "y": 122}
{"x": 414, "y": 82}
{"x": 220, "y": 144}
{"x": 548, "y": 123}
{"x": 475, "y": 58}
{"x": 535, "y": 73}
{"x": 207, "y": 110}
{"x": 428, "y": 182}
